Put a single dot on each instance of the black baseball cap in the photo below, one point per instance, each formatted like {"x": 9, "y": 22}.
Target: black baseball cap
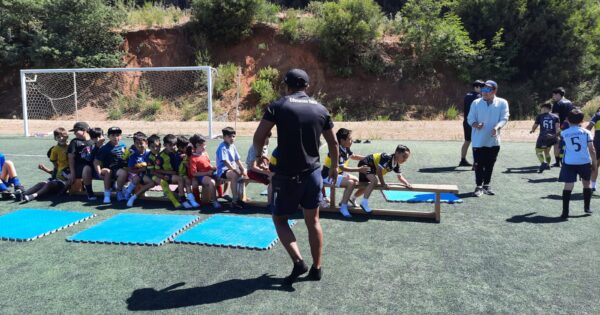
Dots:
{"x": 478, "y": 83}
{"x": 80, "y": 125}
{"x": 296, "y": 78}
{"x": 114, "y": 130}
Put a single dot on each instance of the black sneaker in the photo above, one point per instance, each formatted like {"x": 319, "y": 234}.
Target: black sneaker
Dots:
{"x": 300, "y": 268}
{"x": 7, "y": 195}
{"x": 488, "y": 190}
{"x": 315, "y": 274}
{"x": 547, "y": 166}
{"x": 542, "y": 168}
{"x": 588, "y": 211}
{"x": 464, "y": 162}
{"x": 557, "y": 164}
{"x": 478, "y": 192}
{"x": 367, "y": 141}
{"x": 19, "y": 195}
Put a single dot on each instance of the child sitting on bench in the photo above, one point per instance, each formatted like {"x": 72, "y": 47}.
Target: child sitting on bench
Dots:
{"x": 380, "y": 164}
{"x": 200, "y": 170}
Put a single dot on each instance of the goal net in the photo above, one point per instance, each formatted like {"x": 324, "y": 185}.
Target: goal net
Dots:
{"x": 134, "y": 94}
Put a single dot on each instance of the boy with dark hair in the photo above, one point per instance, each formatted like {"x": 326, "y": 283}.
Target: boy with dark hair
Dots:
{"x": 8, "y": 177}
{"x": 56, "y": 183}
{"x": 137, "y": 166}
{"x": 79, "y": 150}
{"x": 258, "y": 165}
{"x": 230, "y": 166}
{"x": 110, "y": 162}
{"x": 561, "y": 107}
{"x": 467, "y": 129}
{"x": 380, "y": 164}
{"x": 169, "y": 161}
{"x": 579, "y": 159}
{"x": 344, "y": 179}
{"x": 549, "y": 126}
{"x": 89, "y": 172}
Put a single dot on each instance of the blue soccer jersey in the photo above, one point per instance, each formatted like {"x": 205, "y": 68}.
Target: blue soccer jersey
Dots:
{"x": 574, "y": 142}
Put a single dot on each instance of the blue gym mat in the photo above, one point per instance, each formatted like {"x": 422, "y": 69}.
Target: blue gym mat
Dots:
{"x": 29, "y": 224}
{"x": 414, "y": 196}
{"x": 136, "y": 229}
{"x": 232, "y": 231}
{"x": 266, "y": 192}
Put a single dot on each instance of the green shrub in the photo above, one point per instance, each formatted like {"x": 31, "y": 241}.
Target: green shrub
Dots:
{"x": 591, "y": 107}
{"x": 347, "y": 28}
{"x": 452, "y": 113}
{"x": 267, "y": 12}
{"x": 151, "y": 108}
{"x": 151, "y": 14}
{"x": 265, "y": 92}
{"x": 114, "y": 113}
{"x": 268, "y": 73}
{"x": 225, "y": 79}
{"x": 226, "y": 21}
{"x": 290, "y": 26}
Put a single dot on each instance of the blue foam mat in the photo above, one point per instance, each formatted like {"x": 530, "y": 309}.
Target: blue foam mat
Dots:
{"x": 414, "y": 196}
{"x": 136, "y": 229}
{"x": 29, "y": 224}
{"x": 266, "y": 192}
{"x": 232, "y": 231}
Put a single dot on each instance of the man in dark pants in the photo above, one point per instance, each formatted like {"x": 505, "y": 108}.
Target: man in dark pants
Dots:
{"x": 469, "y": 98}
{"x": 562, "y": 107}
{"x": 487, "y": 116}
{"x": 297, "y": 182}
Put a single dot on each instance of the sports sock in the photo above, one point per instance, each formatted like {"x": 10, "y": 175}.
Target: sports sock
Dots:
{"x": 220, "y": 191}
{"x": 540, "y": 154}
{"x": 593, "y": 185}
{"x": 587, "y": 197}
{"x": 548, "y": 158}
{"x": 89, "y": 190}
{"x": 3, "y": 186}
{"x": 566, "y": 198}
{"x": 196, "y": 192}
{"x": 129, "y": 190}
{"x": 14, "y": 181}
{"x": 300, "y": 267}
{"x": 170, "y": 195}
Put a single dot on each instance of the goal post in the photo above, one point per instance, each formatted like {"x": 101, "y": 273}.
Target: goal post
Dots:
{"x": 128, "y": 92}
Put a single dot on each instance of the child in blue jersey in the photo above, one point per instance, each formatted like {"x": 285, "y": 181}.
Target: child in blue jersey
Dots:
{"x": 549, "y": 126}
{"x": 110, "y": 162}
{"x": 137, "y": 165}
{"x": 593, "y": 124}
{"x": 8, "y": 177}
{"x": 579, "y": 159}
{"x": 230, "y": 166}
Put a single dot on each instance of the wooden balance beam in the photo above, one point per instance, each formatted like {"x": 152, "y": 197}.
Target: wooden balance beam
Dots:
{"x": 435, "y": 214}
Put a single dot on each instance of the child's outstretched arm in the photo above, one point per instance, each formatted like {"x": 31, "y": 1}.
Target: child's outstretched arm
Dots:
{"x": 45, "y": 168}
{"x": 534, "y": 127}
{"x": 379, "y": 173}
{"x": 403, "y": 181}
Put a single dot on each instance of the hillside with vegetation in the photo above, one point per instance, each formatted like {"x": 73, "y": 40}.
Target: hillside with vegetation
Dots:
{"x": 369, "y": 60}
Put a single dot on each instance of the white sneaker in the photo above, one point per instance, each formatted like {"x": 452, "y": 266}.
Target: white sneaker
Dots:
{"x": 106, "y": 197}
{"x": 192, "y": 200}
{"x": 186, "y": 204}
{"x": 216, "y": 205}
{"x": 324, "y": 204}
{"x": 344, "y": 211}
{"x": 364, "y": 204}
{"x": 130, "y": 201}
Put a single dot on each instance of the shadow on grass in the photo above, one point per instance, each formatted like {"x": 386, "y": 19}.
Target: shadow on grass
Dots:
{"x": 466, "y": 195}
{"x": 150, "y": 299}
{"x": 539, "y": 219}
{"x": 573, "y": 197}
{"x": 447, "y": 169}
{"x": 521, "y": 170}
{"x": 542, "y": 180}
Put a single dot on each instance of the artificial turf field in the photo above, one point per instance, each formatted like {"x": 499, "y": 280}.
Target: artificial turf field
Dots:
{"x": 506, "y": 254}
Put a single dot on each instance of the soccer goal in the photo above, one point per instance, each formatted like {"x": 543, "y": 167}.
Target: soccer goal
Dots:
{"x": 134, "y": 94}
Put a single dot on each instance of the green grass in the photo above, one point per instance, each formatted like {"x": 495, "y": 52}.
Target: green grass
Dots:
{"x": 484, "y": 257}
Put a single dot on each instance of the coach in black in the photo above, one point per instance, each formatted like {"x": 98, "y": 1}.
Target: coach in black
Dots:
{"x": 562, "y": 106}
{"x": 467, "y": 129}
{"x": 300, "y": 121}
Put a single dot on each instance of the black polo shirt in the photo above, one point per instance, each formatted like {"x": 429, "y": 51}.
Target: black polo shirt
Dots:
{"x": 469, "y": 98}
{"x": 300, "y": 121}
{"x": 562, "y": 108}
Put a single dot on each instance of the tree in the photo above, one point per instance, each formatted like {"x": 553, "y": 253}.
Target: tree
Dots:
{"x": 226, "y": 21}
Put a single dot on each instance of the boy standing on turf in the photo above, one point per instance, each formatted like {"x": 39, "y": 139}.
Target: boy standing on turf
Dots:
{"x": 380, "y": 164}
{"x": 230, "y": 166}
{"x": 110, "y": 162}
{"x": 549, "y": 126}
{"x": 344, "y": 179}
{"x": 579, "y": 159}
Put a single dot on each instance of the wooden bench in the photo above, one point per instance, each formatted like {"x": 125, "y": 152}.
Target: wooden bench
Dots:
{"x": 435, "y": 214}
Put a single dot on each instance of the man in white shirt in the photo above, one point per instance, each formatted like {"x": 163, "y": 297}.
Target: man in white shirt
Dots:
{"x": 579, "y": 159}
{"x": 487, "y": 116}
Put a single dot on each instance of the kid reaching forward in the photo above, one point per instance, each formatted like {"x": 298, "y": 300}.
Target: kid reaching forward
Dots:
{"x": 381, "y": 164}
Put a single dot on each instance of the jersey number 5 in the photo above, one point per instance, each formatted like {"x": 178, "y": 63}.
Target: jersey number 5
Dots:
{"x": 576, "y": 144}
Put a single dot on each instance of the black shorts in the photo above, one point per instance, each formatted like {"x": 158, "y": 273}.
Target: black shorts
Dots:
{"x": 568, "y": 173}
{"x": 291, "y": 192}
{"x": 545, "y": 142}
{"x": 79, "y": 169}
{"x": 597, "y": 148}
{"x": 467, "y": 129}
{"x": 362, "y": 178}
